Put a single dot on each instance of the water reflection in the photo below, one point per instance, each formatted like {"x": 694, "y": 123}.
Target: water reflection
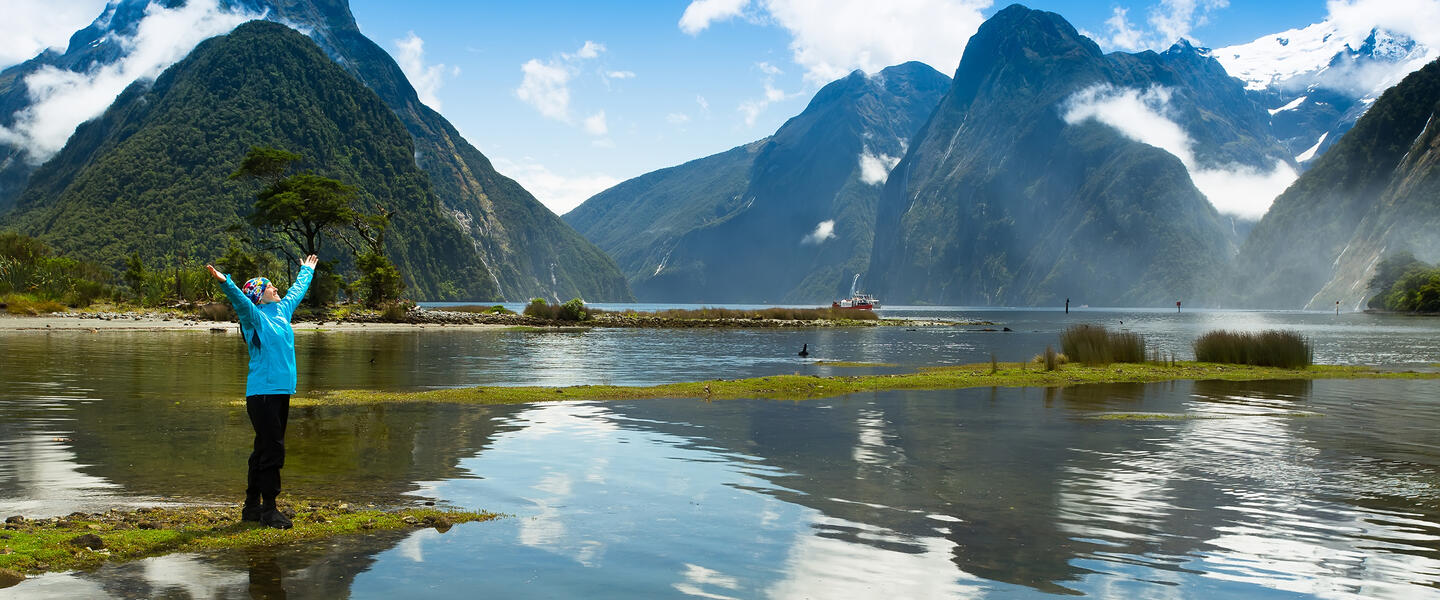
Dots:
{"x": 1324, "y": 489}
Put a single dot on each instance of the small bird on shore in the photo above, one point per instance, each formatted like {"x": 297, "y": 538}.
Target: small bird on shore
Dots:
{"x": 804, "y": 350}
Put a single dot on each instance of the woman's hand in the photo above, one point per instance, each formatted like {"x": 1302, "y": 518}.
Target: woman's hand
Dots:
{"x": 216, "y": 274}
{"x": 310, "y": 261}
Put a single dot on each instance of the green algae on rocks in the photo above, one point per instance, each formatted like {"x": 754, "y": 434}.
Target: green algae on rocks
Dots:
{"x": 803, "y": 387}
{"x": 85, "y": 540}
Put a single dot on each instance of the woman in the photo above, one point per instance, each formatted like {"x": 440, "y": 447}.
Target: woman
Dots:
{"x": 265, "y": 325}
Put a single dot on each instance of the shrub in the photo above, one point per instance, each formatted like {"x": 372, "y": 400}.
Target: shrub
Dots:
{"x": 17, "y": 304}
{"x": 1095, "y": 345}
{"x": 395, "y": 312}
{"x": 217, "y": 311}
{"x": 380, "y": 281}
{"x": 482, "y": 309}
{"x": 539, "y": 309}
{"x": 574, "y": 310}
{"x": 1274, "y": 348}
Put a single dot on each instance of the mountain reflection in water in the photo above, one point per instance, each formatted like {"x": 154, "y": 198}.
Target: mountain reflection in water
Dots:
{"x": 1323, "y": 489}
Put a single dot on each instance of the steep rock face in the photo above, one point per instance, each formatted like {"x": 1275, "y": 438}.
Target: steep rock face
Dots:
{"x": 150, "y": 175}
{"x": 786, "y": 219}
{"x": 1001, "y": 201}
{"x": 525, "y": 249}
{"x": 1376, "y": 191}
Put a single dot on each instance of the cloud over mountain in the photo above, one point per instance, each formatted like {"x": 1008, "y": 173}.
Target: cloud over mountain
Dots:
{"x": 62, "y": 99}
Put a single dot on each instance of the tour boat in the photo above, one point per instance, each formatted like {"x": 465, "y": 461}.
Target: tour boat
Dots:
{"x": 857, "y": 302}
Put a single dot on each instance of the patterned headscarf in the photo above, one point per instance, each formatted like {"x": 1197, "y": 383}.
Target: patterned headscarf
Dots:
{"x": 255, "y": 288}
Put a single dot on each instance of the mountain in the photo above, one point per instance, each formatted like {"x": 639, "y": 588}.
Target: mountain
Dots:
{"x": 1376, "y": 192}
{"x": 150, "y": 176}
{"x": 524, "y": 249}
{"x": 1316, "y": 81}
{"x": 785, "y": 219}
{"x": 1005, "y": 197}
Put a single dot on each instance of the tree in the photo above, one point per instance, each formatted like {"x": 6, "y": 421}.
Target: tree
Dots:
{"x": 301, "y": 207}
{"x": 134, "y": 275}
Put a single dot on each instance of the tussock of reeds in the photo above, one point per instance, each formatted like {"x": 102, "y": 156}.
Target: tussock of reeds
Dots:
{"x": 1274, "y": 348}
{"x": 1095, "y": 345}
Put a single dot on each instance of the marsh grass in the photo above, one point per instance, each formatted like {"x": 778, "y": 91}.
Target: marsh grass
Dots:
{"x": 1095, "y": 345}
{"x": 1273, "y": 348}
{"x": 20, "y": 304}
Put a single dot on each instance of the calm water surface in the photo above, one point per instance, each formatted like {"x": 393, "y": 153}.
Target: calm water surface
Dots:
{"x": 1267, "y": 489}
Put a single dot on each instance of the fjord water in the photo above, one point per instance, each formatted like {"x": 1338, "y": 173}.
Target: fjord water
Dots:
{"x": 1197, "y": 489}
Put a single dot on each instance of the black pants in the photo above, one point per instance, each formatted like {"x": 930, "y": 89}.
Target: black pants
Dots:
{"x": 268, "y": 415}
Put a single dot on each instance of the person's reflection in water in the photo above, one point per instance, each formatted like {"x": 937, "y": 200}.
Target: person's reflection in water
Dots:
{"x": 267, "y": 578}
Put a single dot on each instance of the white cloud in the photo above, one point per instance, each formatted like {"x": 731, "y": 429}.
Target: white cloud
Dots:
{"x": 560, "y": 193}
{"x": 1234, "y": 189}
{"x": 1122, "y": 35}
{"x": 752, "y": 108}
{"x": 595, "y": 124}
{"x": 701, "y": 13}
{"x": 1174, "y": 19}
{"x": 619, "y": 74}
{"x": 677, "y": 118}
{"x": 426, "y": 79}
{"x": 62, "y": 100}
{"x": 831, "y": 38}
{"x": 704, "y": 105}
{"x": 31, "y": 26}
{"x": 1168, "y": 22}
{"x": 589, "y": 50}
{"x": 875, "y": 168}
{"x": 546, "y": 84}
{"x": 823, "y": 231}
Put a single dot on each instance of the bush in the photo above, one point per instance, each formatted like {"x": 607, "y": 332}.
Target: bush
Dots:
{"x": 539, "y": 309}
{"x": 395, "y": 312}
{"x": 380, "y": 281}
{"x": 1275, "y": 348}
{"x": 1095, "y": 345}
{"x": 217, "y": 311}
{"x": 17, "y": 304}
{"x": 574, "y": 310}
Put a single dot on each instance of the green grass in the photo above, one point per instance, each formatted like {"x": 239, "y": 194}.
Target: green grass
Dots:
{"x": 803, "y": 387}
{"x": 21, "y": 304}
{"x": 1275, "y": 348}
{"x": 44, "y": 545}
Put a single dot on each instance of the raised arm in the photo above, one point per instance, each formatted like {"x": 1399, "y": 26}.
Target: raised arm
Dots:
{"x": 244, "y": 308}
{"x": 292, "y": 299}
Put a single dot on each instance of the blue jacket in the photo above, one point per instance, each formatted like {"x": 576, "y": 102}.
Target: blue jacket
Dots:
{"x": 269, "y": 337}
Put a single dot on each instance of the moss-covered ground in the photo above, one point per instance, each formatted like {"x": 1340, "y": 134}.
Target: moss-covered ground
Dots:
{"x": 802, "y": 387}
{"x": 81, "y": 540}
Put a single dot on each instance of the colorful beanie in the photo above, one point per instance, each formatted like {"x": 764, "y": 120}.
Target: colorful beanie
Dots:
{"x": 255, "y": 288}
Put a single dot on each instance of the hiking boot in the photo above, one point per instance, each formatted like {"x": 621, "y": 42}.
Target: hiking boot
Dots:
{"x": 251, "y": 512}
{"x": 274, "y": 519}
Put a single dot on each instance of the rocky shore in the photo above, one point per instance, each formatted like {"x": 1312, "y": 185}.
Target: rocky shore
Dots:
{"x": 180, "y": 319}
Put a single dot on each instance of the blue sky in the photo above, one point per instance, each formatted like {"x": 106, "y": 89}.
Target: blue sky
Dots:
{"x": 572, "y": 97}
